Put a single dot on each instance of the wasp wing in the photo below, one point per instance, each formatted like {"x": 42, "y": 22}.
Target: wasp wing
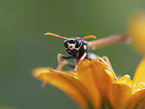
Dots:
{"x": 108, "y": 41}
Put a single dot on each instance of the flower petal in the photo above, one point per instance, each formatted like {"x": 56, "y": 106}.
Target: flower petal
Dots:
{"x": 66, "y": 82}
{"x": 86, "y": 76}
{"x": 137, "y": 31}
{"x": 139, "y": 75}
{"x": 103, "y": 81}
{"x": 126, "y": 81}
{"x": 121, "y": 94}
{"x": 137, "y": 101}
{"x": 93, "y": 75}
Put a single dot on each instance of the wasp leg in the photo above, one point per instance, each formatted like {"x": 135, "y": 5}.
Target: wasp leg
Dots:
{"x": 61, "y": 64}
{"x": 106, "y": 61}
{"x": 44, "y": 83}
{"x": 65, "y": 63}
{"x": 83, "y": 57}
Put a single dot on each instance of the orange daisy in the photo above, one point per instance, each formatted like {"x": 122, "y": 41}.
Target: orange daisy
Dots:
{"x": 136, "y": 29}
{"x": 94, "y": 85}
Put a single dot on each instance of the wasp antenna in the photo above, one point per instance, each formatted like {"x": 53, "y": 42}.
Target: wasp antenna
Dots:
{"x": 87, "y": 37}
{"x": 90, "y": 36}
{"x": 55, "y": 35}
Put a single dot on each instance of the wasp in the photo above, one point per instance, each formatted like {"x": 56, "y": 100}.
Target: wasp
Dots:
{"x": 78, "y": 48}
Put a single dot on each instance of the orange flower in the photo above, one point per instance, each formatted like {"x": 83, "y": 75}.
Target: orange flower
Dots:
{"x": 94, "y": 86}
{"x": 136, "y": 29}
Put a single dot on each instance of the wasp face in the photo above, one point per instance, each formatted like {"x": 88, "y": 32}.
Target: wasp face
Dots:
{"x": 72, "y": 46}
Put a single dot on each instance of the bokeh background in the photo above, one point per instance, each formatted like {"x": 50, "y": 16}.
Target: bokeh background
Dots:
{"x": 23, "y": 46}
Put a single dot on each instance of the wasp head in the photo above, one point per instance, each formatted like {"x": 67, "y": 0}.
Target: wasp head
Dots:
{"x": 72, "y": 45}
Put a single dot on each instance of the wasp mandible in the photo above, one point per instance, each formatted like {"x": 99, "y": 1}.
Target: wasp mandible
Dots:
{"x": 78, "y": 48}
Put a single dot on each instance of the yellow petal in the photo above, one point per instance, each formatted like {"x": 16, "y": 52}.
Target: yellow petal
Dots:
{"x": 139, "y": 75}
{"x": 66, "y": 82}
{"x": 103, "y": 80}
{"x": 137, "y": 31}
{"x": 111, "y": 75}
{"x": 86, "y": 76}
{"x": 126, "y": 81}
{"x": 121, "y": 94}
{"x": 93, "y": 75}
{"x": 137, "y": 101}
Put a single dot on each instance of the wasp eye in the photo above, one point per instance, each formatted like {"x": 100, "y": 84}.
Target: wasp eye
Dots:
{"x": 65, "y": 43}
{"x": 78, "y": 43}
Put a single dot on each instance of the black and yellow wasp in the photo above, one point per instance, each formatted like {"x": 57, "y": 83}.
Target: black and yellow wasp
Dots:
{"x": 78, "y": 48}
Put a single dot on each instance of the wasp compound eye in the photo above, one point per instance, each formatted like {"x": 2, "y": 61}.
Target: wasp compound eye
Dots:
{"x": 78, "y": 43}
{"x": 66, "y": 43}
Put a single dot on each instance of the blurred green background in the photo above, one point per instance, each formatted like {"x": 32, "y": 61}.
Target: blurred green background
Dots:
{"x": 23, "y": 46}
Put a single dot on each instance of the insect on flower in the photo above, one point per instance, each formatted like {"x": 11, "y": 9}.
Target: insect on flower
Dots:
{"x": 78, "y": 48}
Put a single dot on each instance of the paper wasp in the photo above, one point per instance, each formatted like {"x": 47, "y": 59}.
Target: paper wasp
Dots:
{"x": 78, "y": 48}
